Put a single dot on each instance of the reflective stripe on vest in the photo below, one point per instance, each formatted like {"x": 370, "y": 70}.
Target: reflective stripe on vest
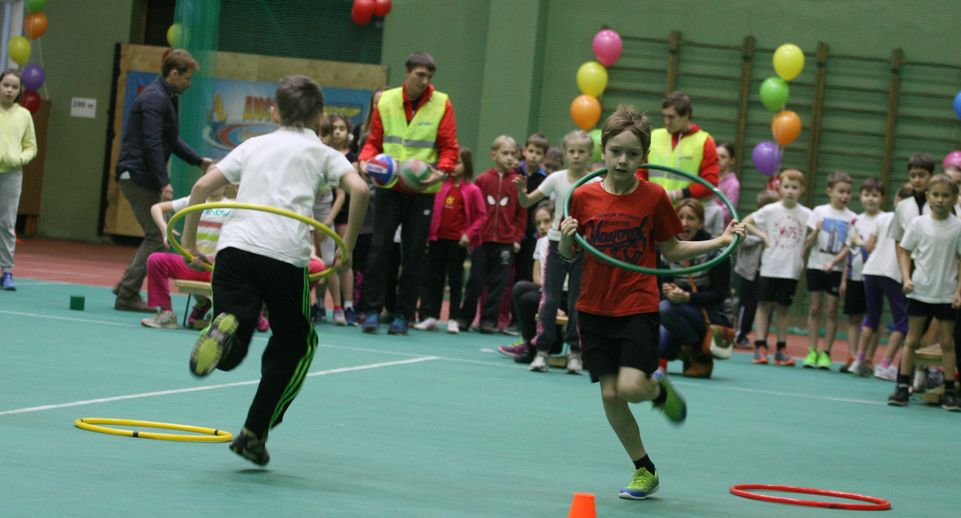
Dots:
{"x": 686, "y": 156}
{"x": 418, "y": 139}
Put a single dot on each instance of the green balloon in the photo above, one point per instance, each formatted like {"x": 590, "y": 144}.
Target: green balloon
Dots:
{"x": 595, "y": 135}
{"x": 774, "y": 93}
{"x": 35, "y": 5}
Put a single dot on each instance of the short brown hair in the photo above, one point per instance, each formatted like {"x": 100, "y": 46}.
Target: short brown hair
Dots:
{"x": 921, "y": 161}
{"x": 420, "y": 59}
{"x": 502, "y": 140}
{"x": 692, "y": 204}
{"x": 179, "y": 60}
{"x": 792, "y": 174}
{"x": 626, "y": 118}
{"x": 299, "y": 101}
{"x": 680, "y": 101}
{"x": 839, "y": 177}
{"x": 539, "y": 141}
{"x": 943, "y": 179}
{"x": 873, "y": 184}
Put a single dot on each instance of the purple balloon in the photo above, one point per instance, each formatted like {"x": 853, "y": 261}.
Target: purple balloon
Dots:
{"x": 32, "y": 77}
{"x": 607, "y": 47}
{"x": 766, "y": 157}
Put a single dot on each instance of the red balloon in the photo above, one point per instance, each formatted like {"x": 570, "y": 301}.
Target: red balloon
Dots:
{"x": 30, "y": 101}
{"x": 382, "y": 7}
{"x": 362, "y": 11}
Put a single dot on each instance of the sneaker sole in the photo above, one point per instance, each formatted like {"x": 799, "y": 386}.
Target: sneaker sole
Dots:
{"x": 759, "y": 362}
{"x": 897, "y": 403}
{"x": 210, "y": 347}
{"x": 249, "y": 456}
{"x": 628, "y": 496}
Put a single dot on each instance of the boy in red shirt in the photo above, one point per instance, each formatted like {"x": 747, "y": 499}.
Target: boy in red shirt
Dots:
{"x": 500, "y": 237}
{"x": 625, "y": 218}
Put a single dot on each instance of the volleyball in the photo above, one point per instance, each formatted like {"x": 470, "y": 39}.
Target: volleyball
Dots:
{"x": 412, "y": 172}
{"x": 381, "y": 169}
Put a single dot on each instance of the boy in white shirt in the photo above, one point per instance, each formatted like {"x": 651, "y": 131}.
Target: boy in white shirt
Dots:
{"x": 852, "y": 281}
{"x": 782, "y": 225}
{"x": 262, "y": 258}
{"x": 828, "y": 230}
{"x": 933, "y": 289}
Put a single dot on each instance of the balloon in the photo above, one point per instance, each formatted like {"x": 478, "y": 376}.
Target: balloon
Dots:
{"x": 31, "y": 101}
{"x": 382, "y": 7}
{"x": 788, "y": 61}
{"x": 607, "y": 47}
{"x": 595, "y": 135}
{"x": 786, "y": 127}
{"x": 19, "y": 49}
{"x": 586, "y": 111}
{"x": 175, "y": 35}
{"x": 33, "y": 77}
{"x": 766, "y": 157}
{"x": 774, "y": 93}
{"x": 952, "y": 160}
{"x": 362, "y": 11}
{"x": 957, "y": 104}
{"x": 35, "y": 25}
{"x": 592, "y": 78}
{"x": 35, "y": 5}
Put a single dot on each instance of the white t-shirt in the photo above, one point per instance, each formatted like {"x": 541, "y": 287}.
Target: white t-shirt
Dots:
{"x": 859, "y": 254}
{"x": 208, "y": 228}
{"x": 541, "y": 250}
{"x": 883, "y": 260}
{"x": 286, "y": 169}
{"x": 935, "y": 246}
{"x": 556, "y": 187}
{"x": 786, "y": 229}
{"x": 904, "y": 212}
{"x": 713, "y": 219}
{"x": 835, "y": 226}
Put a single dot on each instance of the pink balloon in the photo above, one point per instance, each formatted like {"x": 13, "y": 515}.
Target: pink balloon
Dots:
{"x": 952, "y": 160}
{"x": 607, "y": 47}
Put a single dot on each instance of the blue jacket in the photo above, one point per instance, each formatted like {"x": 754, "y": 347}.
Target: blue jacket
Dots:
{"x": 150, "y": 135}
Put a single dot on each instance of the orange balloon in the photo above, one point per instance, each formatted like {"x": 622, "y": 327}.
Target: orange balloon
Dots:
{"x": 586, "y": 111}
{"x": 35, "y": 25}
{"x": 786, "y": 127}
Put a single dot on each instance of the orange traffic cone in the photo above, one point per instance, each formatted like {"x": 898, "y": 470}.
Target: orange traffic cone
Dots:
{"x": 582, "y": 506}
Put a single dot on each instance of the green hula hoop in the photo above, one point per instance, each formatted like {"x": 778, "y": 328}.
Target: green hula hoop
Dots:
{"x": 654, "y": 271}
{"x": 172, "y": 239}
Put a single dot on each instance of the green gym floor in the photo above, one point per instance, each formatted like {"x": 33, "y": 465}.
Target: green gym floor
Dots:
{"x": 427, "y": 425}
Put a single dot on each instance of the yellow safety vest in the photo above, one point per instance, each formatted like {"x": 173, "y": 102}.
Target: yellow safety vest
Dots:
{"x": 417, "y": 139}
{"x": 687, "y": 157}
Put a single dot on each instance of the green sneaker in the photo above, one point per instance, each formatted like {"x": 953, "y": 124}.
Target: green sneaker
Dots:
{"x": 213, "y": 343}
{"x": 643, "y": 485}
{"x": 673, "y": 407}
{"x": 824, "y": 361}
{"x": 811, "y": 360}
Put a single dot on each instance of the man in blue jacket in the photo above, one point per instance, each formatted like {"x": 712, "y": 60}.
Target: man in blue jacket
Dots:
{"x": 150, "y": 135}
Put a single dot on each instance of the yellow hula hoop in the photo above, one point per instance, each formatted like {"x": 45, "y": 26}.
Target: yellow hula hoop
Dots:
{"x": 208, "y": 434}
{"x": 324, "y": 229}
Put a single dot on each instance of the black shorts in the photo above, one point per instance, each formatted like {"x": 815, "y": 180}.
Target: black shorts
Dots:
{"x": 942, "y": 312}
{"x": 610, "y": 343}
{"x": 820, "y": 280}
{"x": 854, "y": 301}
{"x": 772, "y": 289}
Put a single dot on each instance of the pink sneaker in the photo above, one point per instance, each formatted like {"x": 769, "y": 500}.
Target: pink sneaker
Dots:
{"x": 262, "y": 324}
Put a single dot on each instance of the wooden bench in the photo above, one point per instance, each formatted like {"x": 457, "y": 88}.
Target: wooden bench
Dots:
{"x": 559, "y": 360}
{"x": 192, "y": 289}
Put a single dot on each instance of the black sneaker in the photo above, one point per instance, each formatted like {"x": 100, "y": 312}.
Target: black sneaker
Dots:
{"x": 951, "y": 401}
{"x": 527, "y": 356}
{"x": 900, "y": 396}
{"x": 248, "y": 446}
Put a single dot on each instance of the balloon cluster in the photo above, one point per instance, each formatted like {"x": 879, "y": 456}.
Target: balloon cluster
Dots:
{"x": 34, "y": 26}
{"x": 786, "y": 125}
{"x": 592, "y": 80}
{"x": 363, "y": 11}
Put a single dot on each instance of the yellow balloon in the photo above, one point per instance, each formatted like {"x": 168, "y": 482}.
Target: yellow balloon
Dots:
{"x": 19, "y": 49}
{"x": 592, "y": 78}
{"x": 788, "y": 61}
{"x": 175, "y": 35}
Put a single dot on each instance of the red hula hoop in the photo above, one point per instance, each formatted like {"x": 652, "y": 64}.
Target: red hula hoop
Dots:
{"x": 876, "y": 504}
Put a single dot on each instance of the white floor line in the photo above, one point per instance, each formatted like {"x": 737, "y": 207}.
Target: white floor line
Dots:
{"x": 795, "y": 395}
{"x": 211, "y": 387}
{"x": 74, "y": 319}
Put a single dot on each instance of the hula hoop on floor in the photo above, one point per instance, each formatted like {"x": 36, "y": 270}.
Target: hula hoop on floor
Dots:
{"x": 324, "y": 229}
{"x": 207, "y": 434}
{"x": 655, "y": 271}
{"x": 876, "y": 504}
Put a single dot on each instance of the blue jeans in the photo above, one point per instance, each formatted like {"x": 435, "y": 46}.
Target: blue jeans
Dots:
{"x": 681, "y": 324}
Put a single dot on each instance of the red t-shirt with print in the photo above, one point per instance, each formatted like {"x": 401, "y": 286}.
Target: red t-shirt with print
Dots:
{"x": 453, "y": 221}
{"x": 626, "y": 227}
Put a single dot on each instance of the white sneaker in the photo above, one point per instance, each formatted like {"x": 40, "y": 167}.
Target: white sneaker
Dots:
{"x": 339, "y": 318}
{"x": 539, "y": 364}
{"x": 889, "y": 373}
{"x": 452, "y": 327}
{"x": 164, "y": 319}
{"x": 855, "y": 365}
{"x": 428, "y": 324}
{"x": 574, "y": 364}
